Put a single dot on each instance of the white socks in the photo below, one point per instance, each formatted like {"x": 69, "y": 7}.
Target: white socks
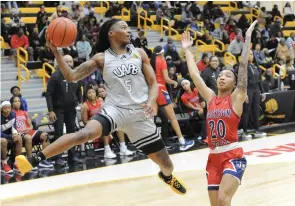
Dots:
{"x": 122, "y": 146}
{"x": 107, "y": 147}
{"x": 181, "y": 140}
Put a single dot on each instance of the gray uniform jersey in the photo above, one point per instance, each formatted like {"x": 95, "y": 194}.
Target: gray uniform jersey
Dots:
{"x": 125, "y": 82}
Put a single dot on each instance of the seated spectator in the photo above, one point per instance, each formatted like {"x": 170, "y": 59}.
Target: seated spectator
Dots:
{"x": 9, "y": 136}
{"x": 41, "y": 18}
{"x": 87, "y": 8}
{"x": 272, "y": 45}
{"x": 21, "y": 40}
{"x": 282, "y": 51}
{"x": 72, "y": 51}
{"x": 56, "y": 14}
{"x": 102, "y": 92}
{"x": 269, "y": 82}
{"x": 236, "y": 46}
{"x": 195, "y": 9}
{"x": 275, "y": 12}
{"x": 289, "y": 65}
{"x": 191, "y": 99}
{"x": 169, "y": 41}
{"x": 221, "y": 34}
{"x": 141, "y": 42}
{"x": 15, "y": 91}
{"x": 258, "y": 54}
{"x": 92, "y": 106}
{"x": 174, "y": 56}
{"x": 35, "y": 43}
{"x": 83, "y": 48}
{"x": 218, "y": 14}
{"x": 288, "y": 13}
{"x": 258, "y": 40}
{"x": 187, "y": 16}
{"x": 275, "y": 27}
{"x": 209, "y": 25}
{"x": 25, "y": 128}
{"x": 95, "y": 79}
{"x": 268, "y": 61}
{"x": 210, "y": 74}
{"x": 76, "y": 13}
{"x": 291, "y": 40}
{"x": 204, "y": 62}
{"x": 46, "y": 55}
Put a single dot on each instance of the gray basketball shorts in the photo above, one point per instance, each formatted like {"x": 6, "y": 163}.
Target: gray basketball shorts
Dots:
{"x": 142, "y": 132}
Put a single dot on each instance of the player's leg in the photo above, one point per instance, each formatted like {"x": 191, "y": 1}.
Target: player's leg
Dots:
{"x": 231, "y": 179}
{"x": 213, "y": 196}
{"x": 108, "y": 153}
{"x": 124, "y": 151}
{"x": 44, "y": 138}
{"x": 145, "y": 136}
{"x": 93, "y": 129}
{"x": 169, "y": 111}
{"x": 28, "y": 144}
{"x": 214, "y": 176}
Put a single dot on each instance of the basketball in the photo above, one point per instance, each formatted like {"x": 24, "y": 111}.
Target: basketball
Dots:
{"x": 62, "y": 32}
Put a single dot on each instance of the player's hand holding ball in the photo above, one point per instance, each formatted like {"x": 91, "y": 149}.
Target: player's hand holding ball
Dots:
{"x": 61, "y": 32}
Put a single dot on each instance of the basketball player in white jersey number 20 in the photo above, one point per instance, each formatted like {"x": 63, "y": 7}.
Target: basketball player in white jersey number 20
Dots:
{"x": 131, "y": 91}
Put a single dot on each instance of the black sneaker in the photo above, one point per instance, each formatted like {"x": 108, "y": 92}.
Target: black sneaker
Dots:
{"x": 175, "y": 184}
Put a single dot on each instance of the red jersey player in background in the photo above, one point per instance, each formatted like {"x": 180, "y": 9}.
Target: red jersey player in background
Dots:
{"x": 226, "y": 162}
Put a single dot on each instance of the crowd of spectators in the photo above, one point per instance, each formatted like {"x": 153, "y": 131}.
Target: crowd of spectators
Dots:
{"x": 269, "y": 47}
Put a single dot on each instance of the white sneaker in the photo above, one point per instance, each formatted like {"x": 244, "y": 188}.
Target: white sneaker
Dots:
{"x": 109, "y": 154}
{"x": 126, "y": 152}
{"x": 240, "y": 132}
{"x": 246, "y": 137}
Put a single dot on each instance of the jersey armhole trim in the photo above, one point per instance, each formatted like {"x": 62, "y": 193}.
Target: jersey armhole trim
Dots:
{"x": 229, "y": 103}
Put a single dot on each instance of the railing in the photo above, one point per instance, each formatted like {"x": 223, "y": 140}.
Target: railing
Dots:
{"x": 218, "y": 43}
{"x": 21, "y": 60}
{"x": 107, "y": 5}
{"x": 165, "y": 27}
{"x": 280, "y": 18}
{"x": 282, "y": 73}
{"x": 45, "y": 75}
{"x": 139, "y": 17}
{"x": 125, "y": 15}
{"x": 230, "y": 59}
{"x": 195, "y": 33}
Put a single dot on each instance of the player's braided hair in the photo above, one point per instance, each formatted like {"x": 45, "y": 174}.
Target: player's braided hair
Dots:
{"x": 103, "y": 42}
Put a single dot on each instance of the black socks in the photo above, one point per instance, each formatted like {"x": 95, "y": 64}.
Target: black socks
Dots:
{"x": 41, "y": 156}
{"x": 166, "y": 178}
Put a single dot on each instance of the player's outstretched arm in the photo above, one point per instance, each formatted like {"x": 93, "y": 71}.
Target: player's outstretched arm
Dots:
{"x": 240, "y": 93}
{"x": 82, "y": 71}
{"x": 205, "y": 91}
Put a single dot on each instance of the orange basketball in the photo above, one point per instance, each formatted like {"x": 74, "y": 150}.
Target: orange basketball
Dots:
{"x": 62, "y": 32}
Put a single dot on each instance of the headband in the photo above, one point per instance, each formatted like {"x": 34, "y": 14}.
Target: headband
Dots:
{"x": 5, "y": 103}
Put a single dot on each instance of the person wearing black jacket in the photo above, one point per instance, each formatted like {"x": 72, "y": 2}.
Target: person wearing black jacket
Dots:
{"x": 62, "y": 99}
{"x": 255, "y": 94}
{"x": 209, "y": 75}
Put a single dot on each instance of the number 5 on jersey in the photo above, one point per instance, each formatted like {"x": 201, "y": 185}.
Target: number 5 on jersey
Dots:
{"x": 128, "y": 85}
{"x": 217, "y": 129}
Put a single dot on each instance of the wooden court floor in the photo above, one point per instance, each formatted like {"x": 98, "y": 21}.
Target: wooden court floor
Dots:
{"x": 263, "y": 185}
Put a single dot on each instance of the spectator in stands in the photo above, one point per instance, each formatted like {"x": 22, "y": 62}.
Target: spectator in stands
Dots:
{"x": 95, "y": 79}
{"x": 258, "y": 40}
{"x": 236, "y": 46}
{"x": 221, "y": 34}
{"x": 289, "y": 64}
{"x": 204, "y": 62}
{"x": 275, "y": 27}
{"x": 83, "y": 48}
{"x": 62, "y": 98}
{"x": 159, "y": 14}
{"x": 35, "y": 43}
{"x": 42, "y": 18}
{"x": 258, "y": 54}
{"x": 269, "y": 82}
{"x": 46, "y": 55}
{"x": 72, "y": 51}
{"x": 21, "y": 40}
{"x": 160, "y": 66}
{"x": 187, "y": 16}
{"x": 209, "y": 26}
{"x": 195, "y": 9}
{"x": 171, "y": 51}
{"x": 169, "y": 41}
{"x": 218, "y": 14}
{"x": 275, "y": 12}
{"x": 9, "y": 136}
{"x": 290, "y": 40}
{"x": 209, "y": 75}
{"x": 25, "y": 128}
{"x": 282, "y": 51}
{"x": 15, "y": 91}
{"x": 272, "y": 45}
{"x": 255, "y": 94}
{"x": 268, "y": 61}
{"x": 288, "y": 13}
{"x": 16, "y": 18}
{"x": 76, "y": 13}
{"x": 87, "y": 8}
{"x": 57, "y": 14}
{"x": 4, "y": 30}
{"x": 92, "y": 106}
{"x": 102, "y": 92}
{"x": 141, "y": 42}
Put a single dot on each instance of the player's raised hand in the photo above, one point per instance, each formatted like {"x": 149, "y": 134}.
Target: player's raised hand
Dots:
{"x": 186, "y": 41}
{"x": 251, "y": 28}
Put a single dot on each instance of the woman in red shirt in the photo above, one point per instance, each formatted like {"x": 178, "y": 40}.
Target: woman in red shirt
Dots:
{"x": 159, "y": 64}
{"x": 92, "y": 106}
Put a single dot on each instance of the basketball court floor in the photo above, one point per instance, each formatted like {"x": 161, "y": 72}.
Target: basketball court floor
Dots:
{"x": 269, "y": 180}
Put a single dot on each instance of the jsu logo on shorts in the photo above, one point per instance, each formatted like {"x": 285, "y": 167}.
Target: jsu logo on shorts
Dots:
{"x": 124, "y": 70}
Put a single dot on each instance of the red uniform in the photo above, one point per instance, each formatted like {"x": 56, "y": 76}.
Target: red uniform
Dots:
{"x": 192, "y": 98}
{"x": 22, "y": 125}
{"x": 226, "y": 156}
{"x": 94, "y": 109}
{"x": 163, "y": 95}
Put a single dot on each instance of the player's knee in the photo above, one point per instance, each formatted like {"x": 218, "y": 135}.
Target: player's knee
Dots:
{"x": 44, "y": 137}
{"x": 223, "y": 198}
{"x": 27, "y": 138}
{"x": 82, "y": 136}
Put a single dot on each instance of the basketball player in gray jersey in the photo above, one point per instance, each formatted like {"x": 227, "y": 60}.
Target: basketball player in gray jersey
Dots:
{"x": 131, "y": 91}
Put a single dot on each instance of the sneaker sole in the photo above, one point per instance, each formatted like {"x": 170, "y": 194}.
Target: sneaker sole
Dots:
{"x": 23, "y": 164}
{"x": 45, "y": 166}
{"x": 172, "y": 188}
